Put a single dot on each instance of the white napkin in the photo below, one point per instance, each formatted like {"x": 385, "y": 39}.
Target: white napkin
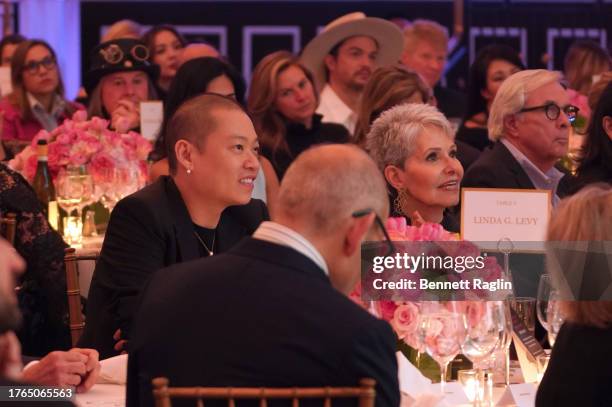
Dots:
{"x": 113, "y": 370}
{"x": 416, "y": 390}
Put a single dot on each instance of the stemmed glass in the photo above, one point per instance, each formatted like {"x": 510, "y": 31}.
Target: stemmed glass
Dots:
{"x": 554, "y": 317}
{"x": 74, "y": 190}
{"x": 548, "y": 310}
{"x": 486, "y": 332}
{"x": 117, "y": 183}
{"x": 441, "y": 332}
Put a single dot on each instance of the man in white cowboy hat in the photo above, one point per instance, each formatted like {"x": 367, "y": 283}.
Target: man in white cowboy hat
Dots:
{"x": 342, "y": 58}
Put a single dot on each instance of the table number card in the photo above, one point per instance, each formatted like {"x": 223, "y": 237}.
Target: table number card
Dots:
{"x": 6, "y": 85}
{"x": 151, "y": 118}
{"x": 527, "y": 348}
{"x": 492, "y": 214}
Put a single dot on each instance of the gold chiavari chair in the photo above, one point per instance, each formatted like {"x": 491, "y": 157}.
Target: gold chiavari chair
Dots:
{"x": 163, "y": 394}
{"x": 71, "y": 259}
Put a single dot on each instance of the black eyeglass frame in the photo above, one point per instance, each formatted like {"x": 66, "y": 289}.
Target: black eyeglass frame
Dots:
{"x": 546, "y": 107}
{"x": 33, "y": 67}
{"x": 390, "y": 246}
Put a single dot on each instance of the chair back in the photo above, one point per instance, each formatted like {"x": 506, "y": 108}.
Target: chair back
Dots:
{"x": 73, "y": 290}
{"x": 163, "y": 394}
{"x": 8, "y": 225}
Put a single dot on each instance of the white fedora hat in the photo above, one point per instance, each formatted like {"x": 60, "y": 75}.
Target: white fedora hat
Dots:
{"x": 387, "y": 35}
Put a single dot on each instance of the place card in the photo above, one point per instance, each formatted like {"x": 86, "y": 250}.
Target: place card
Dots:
{"x": 151, "y": 118}
{"x": 6, "y": 86}
{"x": 489, "y": 215}
{"x": 524, "y": 394}
{"x": 453, "y": 393}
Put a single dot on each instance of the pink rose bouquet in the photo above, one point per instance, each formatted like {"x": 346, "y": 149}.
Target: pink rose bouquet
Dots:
{"x": 403, "y": 315}
{"x": 89, "y": 143}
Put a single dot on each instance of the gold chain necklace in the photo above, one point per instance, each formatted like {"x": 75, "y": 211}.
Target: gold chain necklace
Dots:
{"x": 210, "y": 252}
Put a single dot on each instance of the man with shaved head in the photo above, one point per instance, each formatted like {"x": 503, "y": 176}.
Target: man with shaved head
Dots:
{"x": 272, "y": 311}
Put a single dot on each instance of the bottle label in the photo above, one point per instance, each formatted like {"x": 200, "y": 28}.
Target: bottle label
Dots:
{"x": 53, "y": 215}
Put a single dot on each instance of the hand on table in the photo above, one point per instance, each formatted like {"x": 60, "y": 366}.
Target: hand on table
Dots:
{"x": 77, "y": 367}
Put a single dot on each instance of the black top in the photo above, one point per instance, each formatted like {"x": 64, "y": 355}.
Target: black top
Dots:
{"x": 466, "y": 154}
{"x": 477, "y": 137}
{"x": 578, "y": 373}
{"x": 299, "y": 138}
{"x": 258, "y": 315}
{"x": 42, "y": 297}
{"x": 570, "y": 185}
{"x": 149, "y": 230}
{"x": 450, "y": 102}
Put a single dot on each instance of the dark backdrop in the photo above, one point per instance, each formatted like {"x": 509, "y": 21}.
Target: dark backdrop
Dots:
{"x": 542, "y": 31}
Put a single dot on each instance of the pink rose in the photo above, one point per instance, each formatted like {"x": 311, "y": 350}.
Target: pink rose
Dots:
{"x": 386, "y": 309}
{"x": 405, "y": 323}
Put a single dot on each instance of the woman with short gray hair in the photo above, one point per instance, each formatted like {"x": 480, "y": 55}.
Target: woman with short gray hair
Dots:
{"x": 414, "y": 147}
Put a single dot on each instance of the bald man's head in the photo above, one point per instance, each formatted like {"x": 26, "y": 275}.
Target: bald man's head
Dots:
{"x": 193, "y": 51}
{"x": 326, "y": 184}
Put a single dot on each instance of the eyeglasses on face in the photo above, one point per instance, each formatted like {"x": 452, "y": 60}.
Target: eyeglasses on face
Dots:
{"x": 553, "y": 111}
{"x": 390, "y": 246}
{"x": 33, "y": 67}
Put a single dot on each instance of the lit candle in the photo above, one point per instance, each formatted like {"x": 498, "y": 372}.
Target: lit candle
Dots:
{"x": 73, "y": 230}
{"x": 53, "y": 214}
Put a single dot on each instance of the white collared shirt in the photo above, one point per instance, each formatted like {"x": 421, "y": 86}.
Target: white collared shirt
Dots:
{"x": 48, "y": 120}
{"x": 276, "y": 233}
{"x": 549, "y": 180}
{"x": 334, "y": 110}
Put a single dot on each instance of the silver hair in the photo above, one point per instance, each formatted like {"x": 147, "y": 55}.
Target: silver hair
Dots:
{"x": 326, "y": 184}
{"x": 393, "y": 135}
{"x": 511, "y": 96}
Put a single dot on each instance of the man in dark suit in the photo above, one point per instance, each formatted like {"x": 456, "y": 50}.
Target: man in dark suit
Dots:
{"x": 425, "y": 52}
{"x": 529, "y": 121}
{"x": 273, "y": 310}
{"x": 191, "y": 214}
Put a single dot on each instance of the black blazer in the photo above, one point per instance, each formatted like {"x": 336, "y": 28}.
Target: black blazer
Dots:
{"x": 578, "y": 373}
{"x": 496, "y": 168}
{"x": 149, "y": 230}
{"x": 450, "y": 102}
{"x": 259, "y": 315}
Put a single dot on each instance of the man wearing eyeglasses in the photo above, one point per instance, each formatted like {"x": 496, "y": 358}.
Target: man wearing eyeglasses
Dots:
{"x": 530, "y": 119}
{"x": 273, "y": 311}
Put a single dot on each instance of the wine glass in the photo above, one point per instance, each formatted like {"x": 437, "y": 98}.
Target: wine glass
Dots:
{"x": 544, "y": 290}
{"x": 110, "y": 188}
{"x": 548, "y": 308}
{"x": 441, "y": 332}
{"x": 554, "y": 317}
{"x": 486, "y": 331}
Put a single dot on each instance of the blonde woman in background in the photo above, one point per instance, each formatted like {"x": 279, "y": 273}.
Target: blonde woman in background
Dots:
{"x": 578, "y": 373}
{"x": 583, "y": 61}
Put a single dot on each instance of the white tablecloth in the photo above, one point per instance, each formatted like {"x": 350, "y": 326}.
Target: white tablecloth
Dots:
{"x": 102, "y": 395}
